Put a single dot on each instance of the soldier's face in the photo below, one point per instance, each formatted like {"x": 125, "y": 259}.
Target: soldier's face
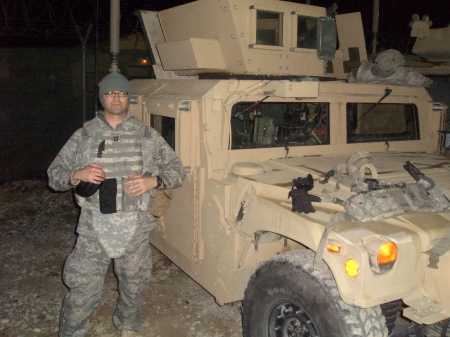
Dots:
{"x": 115, "y": 104}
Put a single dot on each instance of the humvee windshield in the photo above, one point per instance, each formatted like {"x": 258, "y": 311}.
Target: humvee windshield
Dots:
{"x": 279, "y": 124}
{"x": 383, "y": 122}
{"x": 264, "y": 125}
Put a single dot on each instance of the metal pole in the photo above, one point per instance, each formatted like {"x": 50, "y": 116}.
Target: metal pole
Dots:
{"x": 375, "y": 18}
{"x": 83, "y": 43}
{"x": 96, "y": 53}
{"x": 115, "y": 35}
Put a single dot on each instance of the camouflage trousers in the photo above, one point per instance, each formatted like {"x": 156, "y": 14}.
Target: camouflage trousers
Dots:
{"x": 84, "y": 274}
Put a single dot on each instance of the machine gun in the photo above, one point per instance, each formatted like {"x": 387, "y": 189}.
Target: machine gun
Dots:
{"x": 413, "y": 171}
{"x": 418, "y": 175}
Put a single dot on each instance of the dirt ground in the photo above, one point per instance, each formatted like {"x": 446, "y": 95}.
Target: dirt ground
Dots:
{"x": 37, "y": 233}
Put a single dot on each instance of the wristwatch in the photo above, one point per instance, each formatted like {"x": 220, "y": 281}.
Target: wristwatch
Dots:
{"x": 160, "y": 183}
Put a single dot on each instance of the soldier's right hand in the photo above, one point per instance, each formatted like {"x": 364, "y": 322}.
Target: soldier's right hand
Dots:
{"x": 92, "y": 173}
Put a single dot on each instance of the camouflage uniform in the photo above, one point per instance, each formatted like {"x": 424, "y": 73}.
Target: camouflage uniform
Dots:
{"x": 130, "y": 149}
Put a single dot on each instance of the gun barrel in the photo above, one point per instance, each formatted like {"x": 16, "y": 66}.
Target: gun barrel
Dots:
{"x": 413, "y": 170}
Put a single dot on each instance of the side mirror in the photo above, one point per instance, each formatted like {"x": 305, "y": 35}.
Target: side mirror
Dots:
{"x": 326, "y": 38}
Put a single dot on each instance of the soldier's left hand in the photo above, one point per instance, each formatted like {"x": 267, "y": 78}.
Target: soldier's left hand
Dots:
{"x": 138, "y": 185}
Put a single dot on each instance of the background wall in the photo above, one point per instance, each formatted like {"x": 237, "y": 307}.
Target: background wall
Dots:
{"x": 42, "y": 101}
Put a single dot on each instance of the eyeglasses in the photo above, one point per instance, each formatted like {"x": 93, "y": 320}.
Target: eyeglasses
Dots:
{"x": 112, "y": 94}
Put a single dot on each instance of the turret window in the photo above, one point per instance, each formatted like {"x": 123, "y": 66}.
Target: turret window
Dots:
{"x": 269, "y": 28}
{"x": 306, "y": 32}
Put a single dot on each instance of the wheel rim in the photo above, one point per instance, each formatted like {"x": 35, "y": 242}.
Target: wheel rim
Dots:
{"x": 288, "y": 320}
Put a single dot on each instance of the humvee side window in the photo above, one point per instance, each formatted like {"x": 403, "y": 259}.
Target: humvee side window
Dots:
{"x": 383, "y": 122}
{"x": 166, "y": 127}
{"x": 306, "y": 32}
{"x": 274, "y": 124}
{"x": 269, "y": 28}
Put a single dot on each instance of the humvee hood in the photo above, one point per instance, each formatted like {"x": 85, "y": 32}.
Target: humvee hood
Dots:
{"x": 384, "y": 211}
{"x": 370, "y": 187}
{"x": 388, "y": 167}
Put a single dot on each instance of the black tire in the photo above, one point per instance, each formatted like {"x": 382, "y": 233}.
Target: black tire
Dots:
{"x": 286, "y": 297}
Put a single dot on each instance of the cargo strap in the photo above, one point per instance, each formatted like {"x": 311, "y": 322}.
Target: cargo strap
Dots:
{"x": 440, "y": 247}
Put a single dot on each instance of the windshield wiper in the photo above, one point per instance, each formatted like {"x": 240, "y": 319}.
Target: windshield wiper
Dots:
{"x": 387, "y": 92}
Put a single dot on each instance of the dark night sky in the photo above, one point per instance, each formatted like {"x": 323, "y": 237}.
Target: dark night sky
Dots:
{"x": 46, "y": 23}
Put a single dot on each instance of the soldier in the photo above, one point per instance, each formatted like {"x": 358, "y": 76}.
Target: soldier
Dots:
{"x": 115, "y": 163}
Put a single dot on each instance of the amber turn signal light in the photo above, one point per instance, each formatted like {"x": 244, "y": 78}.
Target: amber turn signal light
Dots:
{"x": 333, "y": 248}
{"x": 351, "y": 268}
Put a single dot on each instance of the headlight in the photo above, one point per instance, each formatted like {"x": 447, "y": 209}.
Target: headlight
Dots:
{"x": 382, "y": 254}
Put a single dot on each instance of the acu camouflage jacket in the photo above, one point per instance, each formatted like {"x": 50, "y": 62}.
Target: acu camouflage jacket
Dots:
{"x": 131, "y": 149}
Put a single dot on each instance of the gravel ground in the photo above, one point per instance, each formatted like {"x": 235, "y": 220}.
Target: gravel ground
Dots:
{"x": 37, "y": 232}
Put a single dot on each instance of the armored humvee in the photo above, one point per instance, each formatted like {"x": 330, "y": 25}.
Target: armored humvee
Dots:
{"x": 322, "y": 204}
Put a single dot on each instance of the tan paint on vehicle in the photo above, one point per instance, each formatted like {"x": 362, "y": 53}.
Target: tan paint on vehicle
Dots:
{"x": 233, "y": 211}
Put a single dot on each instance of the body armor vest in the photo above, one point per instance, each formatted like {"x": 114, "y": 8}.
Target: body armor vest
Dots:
{"x": 120, "y": 158}
{"x": 120, "y": 154}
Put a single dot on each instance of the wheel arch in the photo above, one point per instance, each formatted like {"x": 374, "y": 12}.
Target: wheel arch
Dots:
{"x": 370, "y": 318}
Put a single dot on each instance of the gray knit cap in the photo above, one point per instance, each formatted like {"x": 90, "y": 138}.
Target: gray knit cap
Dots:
{"x": 113, "y": 82}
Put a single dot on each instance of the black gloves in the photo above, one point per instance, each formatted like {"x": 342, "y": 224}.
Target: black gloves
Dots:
{"x": 301, "y": 200}
{"x": 86, "y": 190}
